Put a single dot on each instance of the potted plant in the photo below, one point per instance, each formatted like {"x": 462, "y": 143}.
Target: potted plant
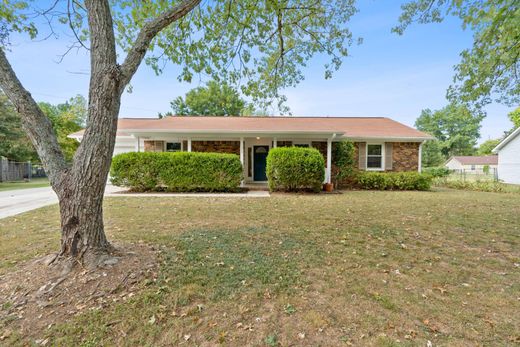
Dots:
{"x": 328, "y": 187}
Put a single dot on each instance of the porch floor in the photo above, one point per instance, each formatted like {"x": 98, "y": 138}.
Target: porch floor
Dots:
{"x": 255, "y": 186}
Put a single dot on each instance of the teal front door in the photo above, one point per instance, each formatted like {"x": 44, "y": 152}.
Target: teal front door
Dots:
{"x": 260, "y": 160}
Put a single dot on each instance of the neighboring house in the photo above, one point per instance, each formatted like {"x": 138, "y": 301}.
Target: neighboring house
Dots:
{"x": 473, "y": 164}
{"x": 509, "y": 158}
{"x": 381, "y": 143}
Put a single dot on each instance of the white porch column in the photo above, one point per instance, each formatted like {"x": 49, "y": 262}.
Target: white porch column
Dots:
{"x": 242, "y": 151}
{"x": 275, "y": 140}
{"x": 329, "y": 160}
{"x": 138, "y": 144}
{"x": 189, "y": 144}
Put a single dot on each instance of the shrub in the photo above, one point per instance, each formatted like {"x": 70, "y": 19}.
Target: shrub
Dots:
{"x": 343, "y": 162}
{"x": 437, "y": 171}
{"x": 480, "y": 186}
{"x": 177, "y": 172}
{"x": 394, "y": 181}
{"x": 294, "y": 169}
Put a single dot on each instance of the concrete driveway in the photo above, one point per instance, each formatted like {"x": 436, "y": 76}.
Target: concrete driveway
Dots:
{"x": 13, "y": 202}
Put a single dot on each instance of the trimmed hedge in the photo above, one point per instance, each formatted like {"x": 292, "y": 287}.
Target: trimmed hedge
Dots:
{"x": 394, "y": 181}
{"x": 177, "y": 172}
{"x": 295, "y": 169}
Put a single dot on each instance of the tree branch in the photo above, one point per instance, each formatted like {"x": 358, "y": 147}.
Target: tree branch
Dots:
{"x": 146, "y": 35}
{"x": 35, "y": 123}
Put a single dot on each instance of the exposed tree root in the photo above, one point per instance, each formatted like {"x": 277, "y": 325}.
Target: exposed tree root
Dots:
{"x": 32, "y": 301}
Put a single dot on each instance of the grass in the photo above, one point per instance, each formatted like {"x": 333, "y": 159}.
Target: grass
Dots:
{"x": 33, "y": 183}
{"x": 360, "y": 268}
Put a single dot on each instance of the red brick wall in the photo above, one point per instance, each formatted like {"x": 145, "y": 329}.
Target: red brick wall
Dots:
{"x": 216, "y": 146}
{"x": 405, "y": 156}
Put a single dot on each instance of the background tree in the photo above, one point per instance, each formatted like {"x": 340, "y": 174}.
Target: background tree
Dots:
{"x": 14, "y": 143}
{"x": 215, "y": 99}
{"x": 490, "y": 68}
{"x": 514, "y": 116}
{"x": 486, "y": 147}
{"x": 259, "y": 45}
{"x": 66, "y": 118}
{"x": 431, "y": 154}
{"x": 455, "y": 127}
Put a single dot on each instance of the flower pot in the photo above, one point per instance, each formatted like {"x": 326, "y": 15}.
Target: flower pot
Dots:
{"x": 328, "y": 187}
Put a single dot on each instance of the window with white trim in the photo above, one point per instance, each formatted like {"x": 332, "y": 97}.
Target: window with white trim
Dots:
{"x": 173, "y": 146}
{"x": 374, "y": 157}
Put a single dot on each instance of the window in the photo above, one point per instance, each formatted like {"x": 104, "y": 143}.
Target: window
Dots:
{"x": 472, "y": 167}
{"x": 301, "y": 145}
{"x": 374, "y": 157}
{"x": 173, "y": 146}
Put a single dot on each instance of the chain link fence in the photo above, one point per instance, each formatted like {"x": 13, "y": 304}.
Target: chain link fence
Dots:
{"x": 18, "y": 171}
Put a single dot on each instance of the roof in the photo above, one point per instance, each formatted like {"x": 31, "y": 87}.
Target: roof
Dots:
{"x": 505, "y": 141}
{"x": 351, "y": 127}
{"x": 477, "y": 160}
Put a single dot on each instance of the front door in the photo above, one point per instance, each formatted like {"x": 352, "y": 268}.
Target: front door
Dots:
{"x": 260, "y": 160}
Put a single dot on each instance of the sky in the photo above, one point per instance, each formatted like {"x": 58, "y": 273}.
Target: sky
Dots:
{"x": 387, "y": 75}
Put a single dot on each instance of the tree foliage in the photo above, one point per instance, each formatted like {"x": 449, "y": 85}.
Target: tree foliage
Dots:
{"x": 486, "y": 147}
{"x": 514, "y": 116}
{"x": 14, "y": 144}
{"x": 431, "y": 154}
{"x": 215, "y": 99}
{"x": 491, "y": 67}
{"x": 66, "y": 118}
{"x": 455, "y": 127}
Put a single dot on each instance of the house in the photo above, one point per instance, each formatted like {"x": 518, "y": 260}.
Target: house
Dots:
{"x": 381, "y": 144}
{"x": 509, "y": 158}
{"x": 473, "y": 164}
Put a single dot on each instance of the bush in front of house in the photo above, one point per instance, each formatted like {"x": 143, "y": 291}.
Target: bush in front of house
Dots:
{"x": 394, "y": 181}
{"x": 295, "y": 169}
{"x": 437, "y": 171}
{"x": 177, "y": 172}
{"x": 343, "y": 163}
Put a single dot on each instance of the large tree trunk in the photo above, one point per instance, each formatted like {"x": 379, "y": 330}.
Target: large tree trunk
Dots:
{"x": 80, "y": 186}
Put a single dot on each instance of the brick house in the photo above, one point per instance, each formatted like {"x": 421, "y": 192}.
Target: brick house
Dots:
{"x": 381, "y": 144}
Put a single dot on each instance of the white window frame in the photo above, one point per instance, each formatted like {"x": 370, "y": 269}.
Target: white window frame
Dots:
{"x": 382, "y": 168}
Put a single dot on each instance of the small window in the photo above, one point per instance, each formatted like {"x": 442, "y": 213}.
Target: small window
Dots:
{"x": 374, "y": 156}
{"x": 301, "y": 145}
{"x": 472, "y": 167}
{"x": 173, "y": 146}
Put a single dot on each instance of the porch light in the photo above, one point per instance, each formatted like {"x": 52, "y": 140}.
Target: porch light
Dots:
{"x": 257, "y": 138}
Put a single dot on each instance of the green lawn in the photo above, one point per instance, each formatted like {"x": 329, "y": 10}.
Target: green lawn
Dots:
{"x": 360, "y": 268}
{"x": 34, "y": 183}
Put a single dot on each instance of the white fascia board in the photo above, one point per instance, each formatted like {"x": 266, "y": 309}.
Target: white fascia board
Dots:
{"x": 506, "y": 140}
{"x": 384, "y": 139}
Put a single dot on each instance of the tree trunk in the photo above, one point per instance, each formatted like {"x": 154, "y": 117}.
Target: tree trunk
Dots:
{"x": 80, "y": 186}
{"x": 82, "y": 231}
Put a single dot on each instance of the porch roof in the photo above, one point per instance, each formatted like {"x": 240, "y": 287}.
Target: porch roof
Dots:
{"x": 350, "y": 127}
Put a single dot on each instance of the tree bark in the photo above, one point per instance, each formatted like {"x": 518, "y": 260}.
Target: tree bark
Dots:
{"x": 80, "y": 186}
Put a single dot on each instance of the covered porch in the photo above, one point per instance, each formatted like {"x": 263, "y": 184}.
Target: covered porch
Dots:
{"x": 252, "y": 148}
